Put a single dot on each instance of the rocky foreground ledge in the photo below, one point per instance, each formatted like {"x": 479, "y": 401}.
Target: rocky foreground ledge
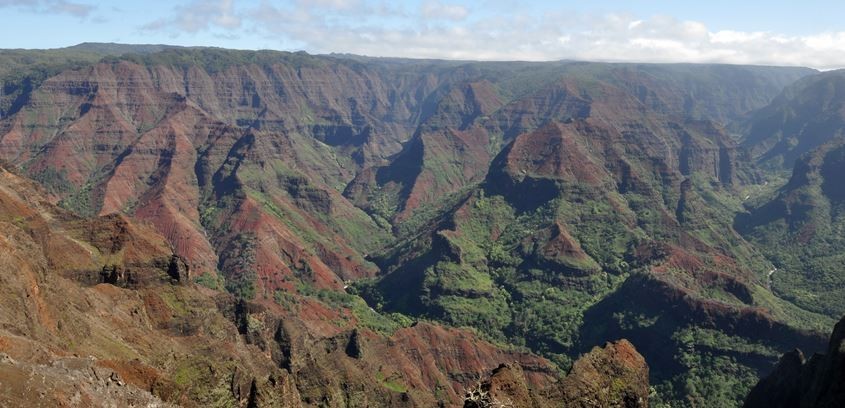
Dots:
{"x": 615, "y": 375}
{"x": 799, "y": 382}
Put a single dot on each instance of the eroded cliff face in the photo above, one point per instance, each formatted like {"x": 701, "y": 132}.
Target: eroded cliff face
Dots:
{"x": 799, "y": 226}
{"x": 808, "y": 114}
{"x": 97, "y": 311}
{"x": 239, "y": 159}
{"x": 169, "y": 147}
{"x": 469, "y": 126}
{"x": 799, "y": 382}
{"x": 626, "y": 222}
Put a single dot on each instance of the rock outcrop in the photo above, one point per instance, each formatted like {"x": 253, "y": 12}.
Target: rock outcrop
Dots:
{"x": 797, "y": 382}
{"x": 613, "y": 376}
{"x": 69, "y": 381}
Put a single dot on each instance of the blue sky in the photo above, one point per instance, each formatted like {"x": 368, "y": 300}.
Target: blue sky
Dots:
{"x": 753, "y": 32}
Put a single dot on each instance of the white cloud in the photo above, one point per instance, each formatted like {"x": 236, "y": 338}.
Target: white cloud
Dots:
{"x": 738, "y": 37}
{"x": 433, "y": 9}
{"x": 441, "y": 30}
{"x": 331, "y": 4}
{"x": 199, "y": 15}
{"x": 51, "y": 6}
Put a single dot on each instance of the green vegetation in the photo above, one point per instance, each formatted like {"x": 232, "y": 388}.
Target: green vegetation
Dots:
{"x": 214, "y": 60}
{"x": 23, "y": 71}
{"x": 428, "y": 213}
{"x": 488, "y": 282}
{"x": 238, "y": 264}
{"x": 384, "y": 203}
{"x": 392, "y": 383}
{"x": 362, "y": 232}
{"x": 81, "y": 201}
{"x": 84, "y": 200}
{"x": 808, "y": 271}
{"x": 711, "y": 375}
{"x": 55, "y": 181}
{"x": 367, "y": 317}
{"x": 801, "y": 231}
{"x": 196, "y": 378}
{"x": 547, "y": 318}
{"x": 518, "y": 277}
{"x": 211, "y": 280}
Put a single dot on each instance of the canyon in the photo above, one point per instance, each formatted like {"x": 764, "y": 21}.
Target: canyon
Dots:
{"x": 260, "y": 228}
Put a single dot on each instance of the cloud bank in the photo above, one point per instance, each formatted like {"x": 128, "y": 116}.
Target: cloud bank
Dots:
{"x": 438, "y": 29}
